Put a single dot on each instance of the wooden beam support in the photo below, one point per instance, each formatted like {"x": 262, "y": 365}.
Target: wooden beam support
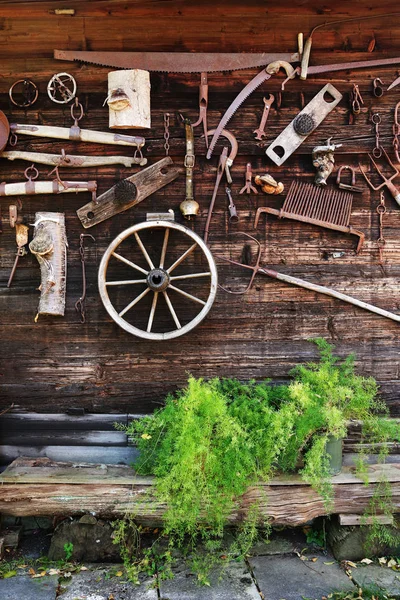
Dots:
{"x": 41, "y": 487}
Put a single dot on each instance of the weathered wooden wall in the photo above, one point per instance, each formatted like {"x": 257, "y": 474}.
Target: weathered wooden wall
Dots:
{"x": 58, "y": 363}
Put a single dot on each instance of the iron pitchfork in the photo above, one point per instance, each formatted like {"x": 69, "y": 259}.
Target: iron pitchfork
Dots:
{"x": 257, "y": 268}
{"x": 80, "y": 305}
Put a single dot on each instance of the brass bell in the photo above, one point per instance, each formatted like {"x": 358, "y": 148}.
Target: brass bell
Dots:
{"x": 189, "y": 208}
{"x": 118, "y": 99}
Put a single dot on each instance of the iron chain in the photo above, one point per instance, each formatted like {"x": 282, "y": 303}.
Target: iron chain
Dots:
{"x": 166, "y": 133}
{"x": 377, "y": 151}
{"x": 381, "y": 242}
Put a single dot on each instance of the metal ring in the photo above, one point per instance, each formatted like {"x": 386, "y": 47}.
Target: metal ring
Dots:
{"x": 27, "y": 83}
{"x": 58, "y": 85}
{"x": 77, "y": 104}
{"x": 376, "y": 118}
{"x": 31, "y": 169}
{"x": 377, "y": 152}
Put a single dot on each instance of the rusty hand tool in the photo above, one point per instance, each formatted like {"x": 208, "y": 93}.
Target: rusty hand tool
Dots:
{"x": 387, "y": 181}
{"x": 273, "y": 69}
{"x": 381, "y": 242}
{"x": 234, "y": 150}
{"x": 396, "y": 132}
{"x": 21, "y": 235}
{"x": 261, "y": 129}
{"x": 220, "y": 172}
{"x": 203, "y": 104}
{"x": 233, "y": 216}
{"x": 80, "y": 305}
{"x": 248, "y": 188}
{"x": 257, "y": 268}
{"x": 377, "y": 87}
{"x": 344, "y": 186}
{"x": 307, "y": 203}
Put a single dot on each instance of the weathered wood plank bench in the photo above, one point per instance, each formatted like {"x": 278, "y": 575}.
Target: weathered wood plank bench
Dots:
{"x": 40, "y": 487}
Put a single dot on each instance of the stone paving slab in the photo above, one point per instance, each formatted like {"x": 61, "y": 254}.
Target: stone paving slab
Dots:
{"x": 236, "y": 584}
{"x": 381, "y": 577}
{"x": 290, "y": 578}
{"x": 22, "y": 587}
{"x": 97, "y": 584}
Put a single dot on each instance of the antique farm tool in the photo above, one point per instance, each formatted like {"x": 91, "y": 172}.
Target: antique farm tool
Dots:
{"x": 257, "y": 268}
{"x": 23, "y": 93}
{"x": 396, "y": 132}
{"x": 305, "y": 123}
{"x": 273, "y": 68}
{"x": 75, "y": 133}
{"x": 327, "y": 208}
{"x": 345, "y": 186}
{"x": 21, "y": 235}
{"x": 232, "y": 155}
{"x": 61, "y": 88}
{"x": 128, "y": 192}
{"x": 203, "y": 104}
{"x": 381, "y": 210}
{"x": 220, "y": 171}
{"x": 189, "y": 207}
{"x": 394, "y": 83}
{"x": 176, "y": 62}
{"x": 56, "y": 186}
{"x": 68, "y": 160}
{"x": 248, "y": 187}
{"x": 49, "y": 245}
{"x": 387, "y": 181}
{"x": 80, "y": 305}
{"x": 376, "y": 120}
{"x": 377, "y": 87}
{"x": 233, "y": 216}
{"x": 158, "y": 279}
{"x": 260, "y": 132}
{"x": 324, "y": 161}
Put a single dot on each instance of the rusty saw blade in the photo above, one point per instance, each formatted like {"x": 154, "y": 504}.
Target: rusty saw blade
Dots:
{"x": 264, "y": 75}
{"x": 176, "y": 62}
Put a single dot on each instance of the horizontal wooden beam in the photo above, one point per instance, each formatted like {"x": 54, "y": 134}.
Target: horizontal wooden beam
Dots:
{"x": 41, "y": 487}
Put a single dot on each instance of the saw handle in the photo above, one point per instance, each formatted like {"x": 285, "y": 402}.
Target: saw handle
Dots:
{"x": 305, "y": 59}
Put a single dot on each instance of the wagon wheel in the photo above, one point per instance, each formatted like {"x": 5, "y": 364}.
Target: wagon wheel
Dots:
{"x": 158, "y": 279}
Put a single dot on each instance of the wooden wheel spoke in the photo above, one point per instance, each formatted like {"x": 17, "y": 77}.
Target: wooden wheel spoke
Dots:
{"x": 152, "y": 312}
{"x": 125, "y": 282}
{"x": 135, "y": 301}
{"x": 172, "y": 311}
{"x": 187, "y": 295}
{"x": 164, "y": 248}
{"x": 181, "y": 258}
{"x": 144, "y": 251}
{"x": 129, "y": 263}
{"x": 190, "y": 276}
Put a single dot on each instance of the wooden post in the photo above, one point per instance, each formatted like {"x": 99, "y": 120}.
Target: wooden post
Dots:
{"x": 49, "y": 244}
{"x": 129, "y": 99}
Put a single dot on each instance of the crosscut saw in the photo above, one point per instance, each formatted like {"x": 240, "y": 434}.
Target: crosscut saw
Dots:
{"x": 177, "y": 62}
{"x": 274, "y": 68}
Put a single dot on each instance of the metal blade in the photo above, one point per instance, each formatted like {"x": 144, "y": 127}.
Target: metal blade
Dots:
{"x": 240, "y": 98}
{"x": 176, "y": 62}
{"x": 360, "y": 64}
{"x": 394, "y": 83}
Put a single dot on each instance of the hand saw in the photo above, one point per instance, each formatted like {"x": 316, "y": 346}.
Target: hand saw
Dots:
{"x": 273, "y": 68}
{"x": 176, "y": 62}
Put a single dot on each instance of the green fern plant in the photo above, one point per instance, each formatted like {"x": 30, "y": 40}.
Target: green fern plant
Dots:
{"x": 214, "y": 439}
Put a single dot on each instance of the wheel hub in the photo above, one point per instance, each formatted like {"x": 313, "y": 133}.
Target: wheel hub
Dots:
{"x": 158, "y": 280}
